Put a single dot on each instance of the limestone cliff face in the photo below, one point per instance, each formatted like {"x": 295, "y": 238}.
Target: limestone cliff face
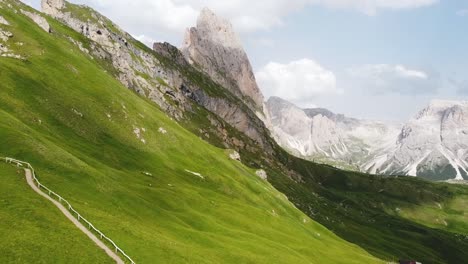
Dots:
{"x": 433, "y": 144}
{"x": 52, "y": 7}
{"x": 227, "y": 107}
{"x": 216, "y": 49}
{"x": 163, "y": 74}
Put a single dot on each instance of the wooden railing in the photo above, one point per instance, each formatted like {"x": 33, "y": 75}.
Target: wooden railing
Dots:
{"x": 77, "y": 215}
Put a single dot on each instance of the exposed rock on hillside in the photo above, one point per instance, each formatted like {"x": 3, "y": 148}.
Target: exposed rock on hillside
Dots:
{"x": 227, "y": 107}
{"x": 214, "y": 46}
{"x": 4, "y": 21}
{"x": 38, "y": 19}
{"x": 138, "y": 68}
{"x": 52, "y": 7}
{"x": 262, "y": 174}
{"x": 162, "y": 75}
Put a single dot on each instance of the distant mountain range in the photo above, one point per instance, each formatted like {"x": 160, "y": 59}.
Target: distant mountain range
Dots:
{"x": 432, "y": 145}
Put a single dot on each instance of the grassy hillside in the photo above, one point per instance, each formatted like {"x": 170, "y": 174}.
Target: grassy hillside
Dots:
{"x": 32, "y": 228}
{"x": 104, "y": 149}
{"x": 450, "y": 215}
{"x": 360, "y": 208}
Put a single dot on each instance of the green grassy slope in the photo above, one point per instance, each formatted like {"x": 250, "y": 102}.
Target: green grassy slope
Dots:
{"x": 451, "y": 215}
{"x": 359, "y": 208}
{"x": 78, "y": 127}
{"x": 34, "y": 231}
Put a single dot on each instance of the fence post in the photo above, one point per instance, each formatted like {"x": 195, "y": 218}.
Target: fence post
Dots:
{"x": 79, "y": 217}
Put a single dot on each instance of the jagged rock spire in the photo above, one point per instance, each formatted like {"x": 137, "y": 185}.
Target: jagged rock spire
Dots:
{"x": 216, "y": 48}
{"x": 52, "y": 6}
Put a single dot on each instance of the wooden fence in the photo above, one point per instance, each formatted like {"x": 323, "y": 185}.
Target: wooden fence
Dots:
{"x": 63, "y": 201}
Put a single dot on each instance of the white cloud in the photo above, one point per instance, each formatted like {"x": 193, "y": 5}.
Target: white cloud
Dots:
{"x": 385, "y": 78}
{"x": 170, "y": 17}
{"x": 298, "y": 81}
{"x": 462, "y": 12}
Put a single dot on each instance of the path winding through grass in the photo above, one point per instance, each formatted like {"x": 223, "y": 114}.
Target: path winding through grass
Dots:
{"x": 80, "y": 226}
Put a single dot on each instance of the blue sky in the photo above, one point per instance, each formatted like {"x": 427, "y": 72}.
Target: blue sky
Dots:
{"x": 377, "y": 59}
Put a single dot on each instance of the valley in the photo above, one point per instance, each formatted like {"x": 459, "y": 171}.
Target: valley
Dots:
{"x": 176, "y": 163}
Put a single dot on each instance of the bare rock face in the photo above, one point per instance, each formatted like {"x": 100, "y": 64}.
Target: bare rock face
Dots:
{"x": 4, "y": 21}
{"x": 262, "y": 174}
{"x": 137, "y": 68}
{"x": 163, "y": 75}
{"x": 234, "y": 155}
{"x": 52, "y": 7}
{"x": 214, "y": 46}
{"x": 38, "y": 19}
{"x": 433, "y": 144}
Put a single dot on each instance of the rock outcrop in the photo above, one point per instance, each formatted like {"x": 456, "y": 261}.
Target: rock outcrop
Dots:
{"x": 52, "y": 7}
{"x": 262, "y": 174}
{"x": 38, "y": 19}
{"x": 162, "y": 74}
{"x": 137, "y": 68}
{"x": 227, "y": 107}
{"x": 216, "y": 49}
{"x": 4, "y": 21}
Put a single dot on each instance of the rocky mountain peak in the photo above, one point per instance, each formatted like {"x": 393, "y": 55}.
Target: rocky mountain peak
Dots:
{"x": 437, "y": 109}
{"x": 432, "y": 144}
{"x": 52, "y": 6}
{"x": 217, "y": 29}
{"x": 216, "y": 49}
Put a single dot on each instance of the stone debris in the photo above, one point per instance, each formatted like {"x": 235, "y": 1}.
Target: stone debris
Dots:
{"x": 262, "y": 174}
{"x": 196, "y": 174}
{"x": 234, "y": 155}
{"x": 5, "y": 35}
{"x": 138, "y": 133}
{"x": 77, "y": 112}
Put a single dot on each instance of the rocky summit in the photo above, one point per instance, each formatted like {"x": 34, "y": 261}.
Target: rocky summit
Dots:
{"x": 163, "y": 74}
{"x": 214, "y": 46}
{"x": 432, "y": 145}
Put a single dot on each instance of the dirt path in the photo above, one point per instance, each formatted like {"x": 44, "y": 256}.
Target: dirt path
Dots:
{"x": 96, "y": 240}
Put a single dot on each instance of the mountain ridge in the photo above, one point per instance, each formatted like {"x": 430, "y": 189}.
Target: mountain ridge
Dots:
{"x": 381, "y": 147}
{"x": 131, "y": 159}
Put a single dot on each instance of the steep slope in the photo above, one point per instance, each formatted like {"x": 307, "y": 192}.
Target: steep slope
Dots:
{"x": 164, "y": 76}
{"x": 128, "y": 167}
{"x": 110, "y": 160}
{"x": 26, "y": 230}
{"x": 432, "y": 145}
{"x": 361, "y": 208}
{"x": 217, "y": 50}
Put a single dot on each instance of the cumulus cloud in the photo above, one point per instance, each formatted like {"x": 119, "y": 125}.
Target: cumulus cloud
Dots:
{"x": 385, "y": 78}
{"x": 298, "y": 81}
{"x": 162, "y": 17}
